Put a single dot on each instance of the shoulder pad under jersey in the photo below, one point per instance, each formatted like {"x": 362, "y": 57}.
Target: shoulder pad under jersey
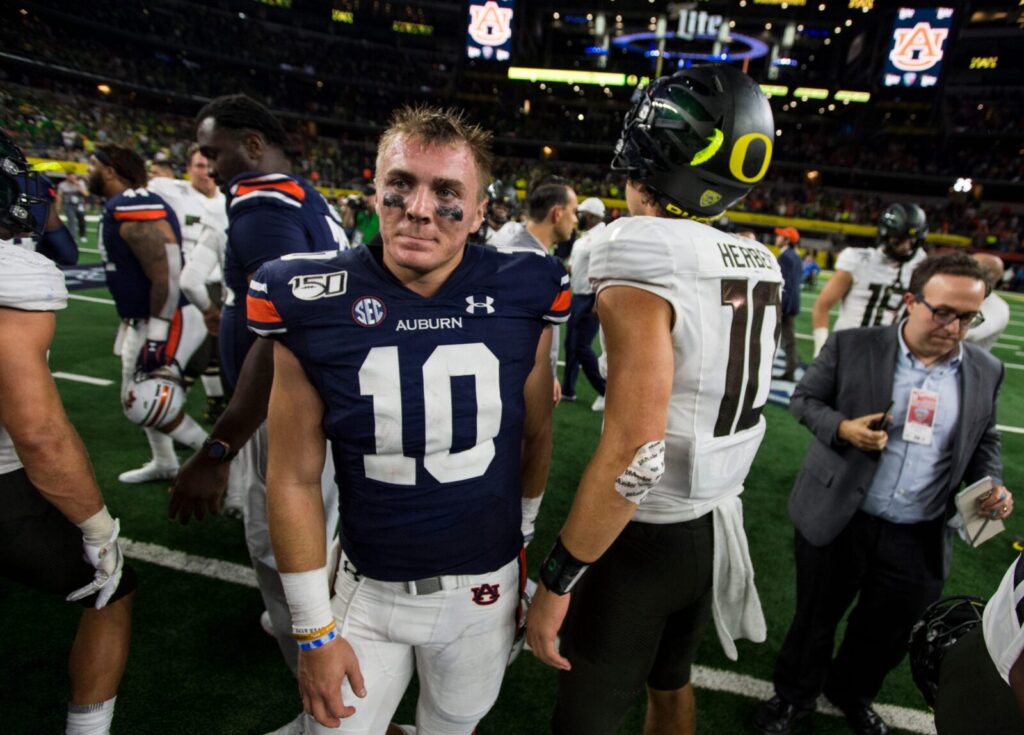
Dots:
{"x": 30, "y": 281}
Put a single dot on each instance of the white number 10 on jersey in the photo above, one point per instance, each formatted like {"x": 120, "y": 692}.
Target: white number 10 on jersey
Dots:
{"x": 380, "y": 377}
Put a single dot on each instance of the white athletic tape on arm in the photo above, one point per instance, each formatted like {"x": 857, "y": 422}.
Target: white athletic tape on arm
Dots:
{"x": 309, "y": 598}
{"x": 97, "y": 528}
{"x": 820, "y": 338}
{"x": 531, "y": 508}
{"x": 643, "y": 473}
{"x": 157, "y": 329}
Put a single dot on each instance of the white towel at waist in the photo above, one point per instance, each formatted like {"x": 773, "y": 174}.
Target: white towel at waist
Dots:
{"x": 735, "y": 602}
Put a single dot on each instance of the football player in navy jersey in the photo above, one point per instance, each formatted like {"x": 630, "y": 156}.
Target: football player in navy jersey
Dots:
{"x": 270, "y": 213}
{"x": 140, "y": 243}
{"x": 424, "y": 362}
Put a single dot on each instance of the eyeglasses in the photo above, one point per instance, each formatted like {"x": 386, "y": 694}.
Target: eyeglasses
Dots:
{"x": 944, "y": 316}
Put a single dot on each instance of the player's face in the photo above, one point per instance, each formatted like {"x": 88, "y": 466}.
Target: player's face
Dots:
{"x": 922, "y": 333}
{"x": 900, "y": 246}
{"x": 94, "y": 177}
{"x": 567, "y": 221}
{"x": 224, "y": 150}
{"x": 428, "y": 199}
{"x": 199, "y": 174}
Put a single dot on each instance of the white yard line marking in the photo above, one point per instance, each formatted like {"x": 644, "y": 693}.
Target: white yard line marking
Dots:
{"x": 1010, "y": 429}
{"x": 89, "y": 250}
{"x": 704, "y": 677}
{"x": 903, "y": 718}
{"x": 224, "y": 571}
{"x": 83, "y": 379}
{"x": 92, "y": 299}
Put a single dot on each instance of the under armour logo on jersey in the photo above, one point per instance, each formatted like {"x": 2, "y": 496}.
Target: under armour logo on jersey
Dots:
{"x": 348, "y": 568}
{"x": 487, "y": 304}
{"x": 369, "y": 311}
{"x": 486, "y": 594}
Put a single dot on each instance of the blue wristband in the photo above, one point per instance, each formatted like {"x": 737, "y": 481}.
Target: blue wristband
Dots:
{"x": 319, "y": 642}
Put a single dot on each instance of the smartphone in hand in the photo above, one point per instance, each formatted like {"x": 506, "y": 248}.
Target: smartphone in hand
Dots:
{"x": 883, "y": 423}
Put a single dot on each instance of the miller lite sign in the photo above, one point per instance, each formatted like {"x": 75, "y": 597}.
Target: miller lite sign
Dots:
{"x": 489, "y": 32}
{"x": 919, "y": 41}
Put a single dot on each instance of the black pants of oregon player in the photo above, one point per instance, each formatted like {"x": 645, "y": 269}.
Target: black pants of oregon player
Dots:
{"x": 636, "y": 619}
{"x": 972, "y": 697}
{"x": 42, "y": 549}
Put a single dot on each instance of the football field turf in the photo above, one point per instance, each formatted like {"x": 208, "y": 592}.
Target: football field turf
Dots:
{"x": 200, "y": 663}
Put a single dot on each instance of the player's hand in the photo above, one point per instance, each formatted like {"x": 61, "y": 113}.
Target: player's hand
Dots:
{"x": 543, "y": 621}
{"x": 198, "y": 489}
{"x": 859, "y": 433}
{"x": 996, "y": 504}
{"x": 558, "y": 392}
{"x": 321, "y": 673}
{"x": 152, "y": 356}
{"x": 107, "y": 559}
{"x": 211, "y": 318}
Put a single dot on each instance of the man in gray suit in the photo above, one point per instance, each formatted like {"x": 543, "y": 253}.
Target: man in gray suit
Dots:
{"x": 872, "y": 500}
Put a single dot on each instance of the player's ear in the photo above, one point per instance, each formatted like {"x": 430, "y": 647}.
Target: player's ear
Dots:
{"x": 478, "y": 215}
{"x": 254, "y": 145}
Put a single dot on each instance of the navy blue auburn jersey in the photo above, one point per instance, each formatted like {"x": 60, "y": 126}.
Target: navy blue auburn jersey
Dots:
{"x": 423, "y": 397}
{"x": 269, "y": 215}
{"x": 128, "y": 283}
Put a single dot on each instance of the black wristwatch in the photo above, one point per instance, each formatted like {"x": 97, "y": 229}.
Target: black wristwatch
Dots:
{"x": 218, "y": 450}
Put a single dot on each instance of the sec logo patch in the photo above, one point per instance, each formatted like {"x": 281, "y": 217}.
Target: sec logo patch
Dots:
{"x": 369, "y": 311}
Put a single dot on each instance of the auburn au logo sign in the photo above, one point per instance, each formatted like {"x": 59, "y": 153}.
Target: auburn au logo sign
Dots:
{"x": 490, "y": 24}
{"x": 918, "y": 48}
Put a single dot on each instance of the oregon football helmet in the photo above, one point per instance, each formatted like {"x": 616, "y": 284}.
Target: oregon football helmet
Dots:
{"x": 698, "y": 140}
{"x": 942, "y": 624}
{"x": 899, "y": 222}
{"x": 501, "y": 202}
{"x": 23, "y": 199}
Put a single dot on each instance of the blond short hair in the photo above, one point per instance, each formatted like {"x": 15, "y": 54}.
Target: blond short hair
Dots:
{"x": 441, "y": 126}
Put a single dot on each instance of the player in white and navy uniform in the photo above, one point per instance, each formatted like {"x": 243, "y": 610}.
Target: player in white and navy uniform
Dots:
{"x": 140, "y": 243}
{"x": 425, "y": 364}
{"x": 870, "y": 281}
{"x": 51, "y": 509}
{"x": 691, "y": 318}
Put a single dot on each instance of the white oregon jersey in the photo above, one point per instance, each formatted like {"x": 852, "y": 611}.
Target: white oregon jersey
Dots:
{"x": 192, "y": 208}
{"x": 875, "y": 297}
{"x": 30, "y": 282}
{"x": 725, "y": 295}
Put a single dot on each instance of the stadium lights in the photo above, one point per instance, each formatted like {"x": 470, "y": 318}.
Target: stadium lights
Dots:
{"x": 810, "y": 93}
{"x": 849, "y": 95}
{"x": 103, "y": 88}
{"x": 774, "y": 90}
{"x": 568, "y": 76}
{"x": 963, "y": 185}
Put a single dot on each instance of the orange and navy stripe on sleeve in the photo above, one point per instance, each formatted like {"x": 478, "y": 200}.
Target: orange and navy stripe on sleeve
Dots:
{"x": 262, "y": 315}
{"x": 140, "y": 212}
{"x": 279, "y": 187}
{"x": 560, "y": 307}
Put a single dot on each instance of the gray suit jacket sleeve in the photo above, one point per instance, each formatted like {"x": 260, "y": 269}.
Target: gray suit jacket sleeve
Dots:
{"x": 985, "y": 460}
{"x": 814, "y": 395}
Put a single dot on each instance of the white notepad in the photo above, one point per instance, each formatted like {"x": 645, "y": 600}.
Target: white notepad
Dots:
{"x": 977, "y": 528}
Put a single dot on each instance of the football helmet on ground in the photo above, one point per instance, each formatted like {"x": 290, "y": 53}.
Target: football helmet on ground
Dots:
{"x": 154, "y": 399}
{"x": 942, "y": 625}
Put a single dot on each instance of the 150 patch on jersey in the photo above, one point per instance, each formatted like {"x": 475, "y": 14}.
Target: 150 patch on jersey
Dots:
{"x": 319, "y": 285}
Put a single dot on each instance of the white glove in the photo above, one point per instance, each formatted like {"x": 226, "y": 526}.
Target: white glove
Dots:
{"x": 820, "y": 338}
{"x": 99, "y": 538}
{"x": 531, "y": 507}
